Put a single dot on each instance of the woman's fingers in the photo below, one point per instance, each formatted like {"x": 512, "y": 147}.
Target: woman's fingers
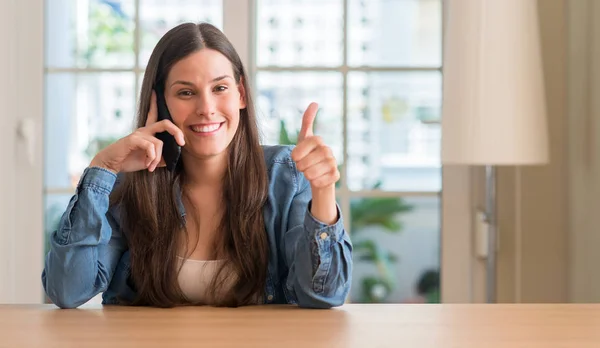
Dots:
{"x": 153, "y": 113}
{"x": 167, "y": 126}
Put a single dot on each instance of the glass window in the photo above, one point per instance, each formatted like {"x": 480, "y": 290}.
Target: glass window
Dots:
{"x": 396, "y": 249}
{"x": 90, "y": 33}
{"x": 394, "y": 130}
{"x": 84, "y": 113}
{"x": 299, "y": 33}
{"x": 379, "y": 84}
{"x": 158, "y": 16}
{"x": 394, "y": 33}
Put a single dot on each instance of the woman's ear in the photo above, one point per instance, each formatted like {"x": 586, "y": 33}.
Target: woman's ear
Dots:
{"x": 242, "y": 92}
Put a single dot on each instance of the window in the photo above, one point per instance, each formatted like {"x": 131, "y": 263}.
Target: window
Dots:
{"x": 373, "y": 66}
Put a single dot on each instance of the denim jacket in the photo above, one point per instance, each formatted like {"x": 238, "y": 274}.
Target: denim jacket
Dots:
{"x": 310, "y": 263}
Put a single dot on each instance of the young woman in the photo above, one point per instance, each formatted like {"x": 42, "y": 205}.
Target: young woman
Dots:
{"x": 235, "y": 223}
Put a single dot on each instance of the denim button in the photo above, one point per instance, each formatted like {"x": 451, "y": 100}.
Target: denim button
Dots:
{"x": 270, "y": 297}
{"x": 323, "y": 235}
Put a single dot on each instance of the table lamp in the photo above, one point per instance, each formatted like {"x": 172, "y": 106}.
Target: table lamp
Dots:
{"x": 493, "y": 111}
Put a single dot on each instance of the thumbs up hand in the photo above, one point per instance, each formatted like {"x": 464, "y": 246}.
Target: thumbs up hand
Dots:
{"x": 308, "y": 121}
{"x": 316, "y": 161}
{"x": 312, "y": 156}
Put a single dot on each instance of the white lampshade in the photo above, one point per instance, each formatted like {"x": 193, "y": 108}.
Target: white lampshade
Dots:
{"x": 494, "y": 110}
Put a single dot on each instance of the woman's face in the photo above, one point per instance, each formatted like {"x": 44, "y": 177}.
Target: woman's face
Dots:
{"x": 205, "y": 101}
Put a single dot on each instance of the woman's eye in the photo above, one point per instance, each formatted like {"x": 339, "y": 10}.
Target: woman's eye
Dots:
{"x": 220, "y": 88}
{"x": 185, "y": 93}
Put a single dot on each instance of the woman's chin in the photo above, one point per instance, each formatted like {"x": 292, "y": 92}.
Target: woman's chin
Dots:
{"x": 206, "y": 153}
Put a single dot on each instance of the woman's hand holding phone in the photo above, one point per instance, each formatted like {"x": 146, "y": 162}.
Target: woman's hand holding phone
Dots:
{"x": 140, "y": 149}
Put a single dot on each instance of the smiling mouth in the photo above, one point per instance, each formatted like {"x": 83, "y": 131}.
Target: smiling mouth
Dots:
{"x": 206, "y": 128}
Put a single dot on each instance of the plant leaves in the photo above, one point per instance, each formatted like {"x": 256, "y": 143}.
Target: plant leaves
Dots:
{"x": 284, "y": 138}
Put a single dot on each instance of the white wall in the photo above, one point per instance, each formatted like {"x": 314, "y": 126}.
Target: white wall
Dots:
{"x": 21, "y": 98}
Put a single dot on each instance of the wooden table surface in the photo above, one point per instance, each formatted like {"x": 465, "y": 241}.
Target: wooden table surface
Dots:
{"x": 353, "y": 325}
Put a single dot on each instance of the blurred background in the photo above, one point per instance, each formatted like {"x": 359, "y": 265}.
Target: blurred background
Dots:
{"x": 375, "y": 68}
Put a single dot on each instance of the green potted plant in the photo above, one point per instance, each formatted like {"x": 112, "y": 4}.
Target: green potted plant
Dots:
{"x": 382, "y": 213}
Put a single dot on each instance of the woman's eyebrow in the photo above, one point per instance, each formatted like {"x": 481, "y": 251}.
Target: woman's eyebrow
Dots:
{"x": 182, "y": 82}
{"x": 188, "y": 83}
{"x": 221, "y": 78}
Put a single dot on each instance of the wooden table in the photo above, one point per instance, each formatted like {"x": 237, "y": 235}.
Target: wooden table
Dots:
{"x": 402, "y": 326}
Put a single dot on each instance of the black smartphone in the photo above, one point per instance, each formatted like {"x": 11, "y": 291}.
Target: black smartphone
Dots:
{"x": 171, "y": 150}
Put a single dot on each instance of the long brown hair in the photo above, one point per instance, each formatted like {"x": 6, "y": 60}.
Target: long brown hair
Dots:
{"x": 151, "y": 221}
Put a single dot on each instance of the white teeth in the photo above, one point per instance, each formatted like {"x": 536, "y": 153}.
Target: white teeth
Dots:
{"x": 206, "y": 129}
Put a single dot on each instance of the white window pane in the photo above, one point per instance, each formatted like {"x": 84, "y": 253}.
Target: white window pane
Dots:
{"x": 90, "y": 33}
{"x": 84, "y": 113}
{"x": 159, "y": 16}
{"x": 394, "y": 32}
{"x": 299, "y": 32}
{"x": 394, "y": 131}
{"x": 396, "y": 250}
{"x": 283, "y": 98}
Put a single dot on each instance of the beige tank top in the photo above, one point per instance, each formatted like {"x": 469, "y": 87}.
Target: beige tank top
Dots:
{"x": 196, "y": 276}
